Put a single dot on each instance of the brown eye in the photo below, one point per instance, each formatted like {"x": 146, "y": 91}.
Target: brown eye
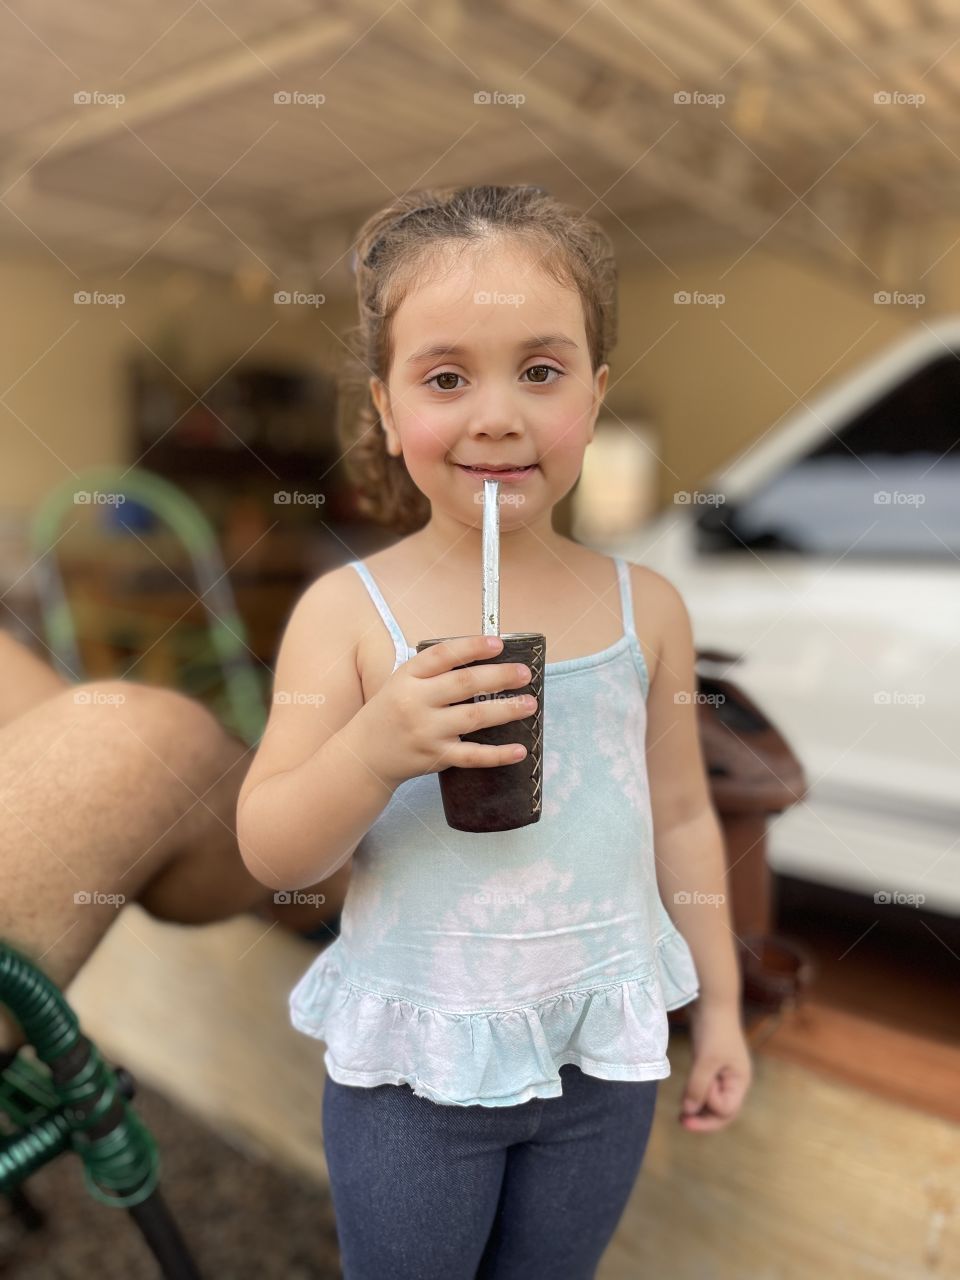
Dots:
{"x": 545, "y": 369}
{"x": 448, "y": 374}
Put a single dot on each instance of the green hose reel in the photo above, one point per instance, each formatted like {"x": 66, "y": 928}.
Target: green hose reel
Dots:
{"x": 78, "y": 1103}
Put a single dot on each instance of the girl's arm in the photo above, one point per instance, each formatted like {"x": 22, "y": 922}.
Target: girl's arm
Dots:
{"x": 691, "y": 867}
{"x": 687, "y": 838}
{"x": 310, "y": 797}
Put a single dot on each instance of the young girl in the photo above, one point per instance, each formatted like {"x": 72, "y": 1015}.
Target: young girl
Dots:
{"x": 495, "y": 1008}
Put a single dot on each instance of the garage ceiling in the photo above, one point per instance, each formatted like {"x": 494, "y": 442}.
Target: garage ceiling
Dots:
{"x": 807, "y": 126}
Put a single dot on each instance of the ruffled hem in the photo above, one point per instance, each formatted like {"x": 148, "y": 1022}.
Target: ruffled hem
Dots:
{"x": 618, "y": 1031}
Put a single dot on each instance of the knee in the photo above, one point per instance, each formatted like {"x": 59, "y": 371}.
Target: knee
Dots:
{"x": 158, "y": 721}
{"x": 170, "y": 715}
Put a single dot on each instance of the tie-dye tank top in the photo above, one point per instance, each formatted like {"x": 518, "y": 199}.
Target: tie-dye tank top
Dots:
{"x": 473, "y": 966}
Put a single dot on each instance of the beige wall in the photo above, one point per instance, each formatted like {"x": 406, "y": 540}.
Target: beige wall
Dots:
{"x": 710, "y": 383}
{"x": 722, "y": 375}
{"x": 68, "y": 407}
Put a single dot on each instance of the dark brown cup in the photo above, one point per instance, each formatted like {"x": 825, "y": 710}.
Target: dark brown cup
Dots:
{"x": 505, "y": 796}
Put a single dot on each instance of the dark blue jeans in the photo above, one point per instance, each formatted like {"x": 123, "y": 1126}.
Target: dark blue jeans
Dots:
{"x": 424, "y": 1191}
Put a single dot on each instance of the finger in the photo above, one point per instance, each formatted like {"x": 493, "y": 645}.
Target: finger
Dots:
{"x": 725, "y": 1097}
{"x": 722, "y": 1102}
{"x": 695, "y": 1094}
{"x": 499, "y": 709}
{"x": 447, "y": 654}
{"x": 477, "y": 755}
{"x": 734, "y": 1090}
{"x": 473, "y": 684}
{"x": 705, "y": 1123}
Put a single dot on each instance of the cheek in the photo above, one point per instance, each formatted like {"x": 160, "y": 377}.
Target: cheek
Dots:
{"x": 427, "y": 438}
{"x": 562, "y": 442}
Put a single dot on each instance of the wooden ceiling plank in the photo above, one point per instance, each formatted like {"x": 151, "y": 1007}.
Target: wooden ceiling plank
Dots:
{"x": 711, "y": 197}
{"x": 236, "y": 66}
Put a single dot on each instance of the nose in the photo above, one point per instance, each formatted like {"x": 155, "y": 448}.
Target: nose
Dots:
{"x": 495, "y": 415}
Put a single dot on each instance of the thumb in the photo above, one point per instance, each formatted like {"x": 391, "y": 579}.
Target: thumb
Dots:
{"x": 694, "y": 1095}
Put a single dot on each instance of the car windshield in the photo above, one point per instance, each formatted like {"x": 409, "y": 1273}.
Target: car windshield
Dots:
{"x": 887, "y": 483}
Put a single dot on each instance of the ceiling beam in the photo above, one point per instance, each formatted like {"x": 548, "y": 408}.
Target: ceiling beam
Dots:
{"x": 130, "y": 234}
{"x": 234, "y": 68}
{"x": 609, "y": 126}
{"x": 717, "y": 178}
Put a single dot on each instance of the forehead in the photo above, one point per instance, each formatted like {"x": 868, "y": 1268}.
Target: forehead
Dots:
{"x": 494, "y": 295}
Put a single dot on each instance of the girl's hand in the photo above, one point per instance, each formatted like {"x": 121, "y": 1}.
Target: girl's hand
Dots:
{"x": 721, "y": 1071}
{"x": 412, "y": 726}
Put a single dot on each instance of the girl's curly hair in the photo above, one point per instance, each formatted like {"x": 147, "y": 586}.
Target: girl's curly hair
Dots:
{"x": 392, "y": 253}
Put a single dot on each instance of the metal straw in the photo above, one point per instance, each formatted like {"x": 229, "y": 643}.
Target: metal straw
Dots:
{"x": 491, "y": 557}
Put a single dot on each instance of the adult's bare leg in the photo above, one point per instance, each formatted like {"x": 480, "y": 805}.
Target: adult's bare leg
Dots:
{"x": 25, "y": 679}
{"x": 115, "y": 789}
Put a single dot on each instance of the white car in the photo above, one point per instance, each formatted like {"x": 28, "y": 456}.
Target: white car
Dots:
{"x": 828, "y": 555}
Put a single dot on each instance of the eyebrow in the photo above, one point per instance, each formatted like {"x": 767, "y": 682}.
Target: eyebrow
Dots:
{"x": 451, "y": 349}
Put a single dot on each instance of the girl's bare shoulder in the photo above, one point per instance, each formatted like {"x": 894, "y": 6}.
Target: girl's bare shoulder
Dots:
{"x": 326, "y": 612}
{"x": 373, "y": 648}
{"x": 660, "y": 616}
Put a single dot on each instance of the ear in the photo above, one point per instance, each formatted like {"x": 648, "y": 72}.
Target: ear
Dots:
{"x": 599, "y": 390}
{"x": 381, "y": 401}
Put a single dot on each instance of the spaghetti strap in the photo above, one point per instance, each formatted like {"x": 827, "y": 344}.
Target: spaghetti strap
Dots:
{"x": 629, "y": 629}
{"x": 626, "y": 596}
{"x": 399, "y": 640}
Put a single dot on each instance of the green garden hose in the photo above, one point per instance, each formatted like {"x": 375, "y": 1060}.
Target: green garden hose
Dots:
{"x": 79, "y": 1105}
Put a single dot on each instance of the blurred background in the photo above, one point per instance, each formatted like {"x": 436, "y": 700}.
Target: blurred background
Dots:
{"x": 179, "y": 189}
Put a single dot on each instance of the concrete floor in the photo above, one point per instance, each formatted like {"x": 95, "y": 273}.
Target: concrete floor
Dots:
{"x": 816, "y": 1177}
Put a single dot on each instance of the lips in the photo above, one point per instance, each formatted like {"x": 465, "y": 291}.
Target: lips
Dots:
{"x": 480, "y": 466}
{"x": 515, "y": 475}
